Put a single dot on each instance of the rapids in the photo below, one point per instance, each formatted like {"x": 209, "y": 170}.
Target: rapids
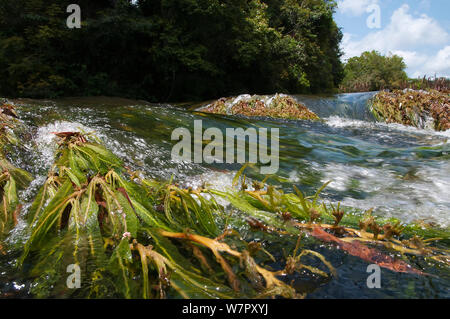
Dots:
{"x": 402, "y": 172}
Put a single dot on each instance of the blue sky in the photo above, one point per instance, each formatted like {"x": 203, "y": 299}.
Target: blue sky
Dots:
{"x": 417, "y": 30}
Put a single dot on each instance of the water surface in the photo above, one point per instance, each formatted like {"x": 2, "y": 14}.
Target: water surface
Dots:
{"x": 400, "y": 171}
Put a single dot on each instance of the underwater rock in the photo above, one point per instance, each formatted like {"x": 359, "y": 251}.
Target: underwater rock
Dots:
{"x": 277, "y": 106}
{"x": 422, "y": 109}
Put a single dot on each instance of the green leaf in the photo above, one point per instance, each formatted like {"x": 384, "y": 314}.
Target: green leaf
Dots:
{"x": 75, "y": 169}
{"x": 238, "y": 174}
{"x": 49, "y": 217}
{"x": 119, "y": 266}
{"x": 320, "y": 190}
{"x": 130, "y": 216}
{"x": 149, "y": 218}
{"x": 73, "y": 178}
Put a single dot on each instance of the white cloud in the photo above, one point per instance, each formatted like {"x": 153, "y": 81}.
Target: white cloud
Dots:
{"x": 404, "y": 35}
{"x": 412, "y": 58}
{"x": 354, "y": 7}
{"x": 438, "y": 64}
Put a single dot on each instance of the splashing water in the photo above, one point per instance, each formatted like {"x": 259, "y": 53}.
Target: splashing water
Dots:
{"x": 400, "y": 171}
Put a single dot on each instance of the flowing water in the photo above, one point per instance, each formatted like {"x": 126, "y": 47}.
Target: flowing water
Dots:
{"x": 401, "y": 171}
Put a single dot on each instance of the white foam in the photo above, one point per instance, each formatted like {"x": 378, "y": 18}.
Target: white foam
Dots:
{"x": 340, "y": 122}
{"x": 425, "y": 197}
{"x": 45, "y": 139}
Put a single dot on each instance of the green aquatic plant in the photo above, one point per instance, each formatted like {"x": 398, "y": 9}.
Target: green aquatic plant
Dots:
{"x": 9, "y": 204}
{"x": 269, "y": 207}
{"x": 89, "y": 213}
{"x": 135, "y": 237}
{"x": 11, "y": 177}
{"x": 414, "y": 108}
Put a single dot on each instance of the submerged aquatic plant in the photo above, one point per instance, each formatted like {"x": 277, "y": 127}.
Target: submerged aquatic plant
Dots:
{"x": 268, "y": 208}
{"x": 280, "y": 106}
{"x": 414, "y": 108}
{"x": 89, "y": 213}
{"x": 135, "y": 237}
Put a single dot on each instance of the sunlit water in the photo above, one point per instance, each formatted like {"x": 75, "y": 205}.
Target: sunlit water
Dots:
{"x": 400, "y": 171}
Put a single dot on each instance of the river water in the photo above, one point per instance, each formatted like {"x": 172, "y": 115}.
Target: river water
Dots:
{"x": 400, "y": 171}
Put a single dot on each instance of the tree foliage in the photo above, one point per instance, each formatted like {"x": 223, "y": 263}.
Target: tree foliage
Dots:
{"x": 372, "y": 72}
{"x": 169, "y": 49}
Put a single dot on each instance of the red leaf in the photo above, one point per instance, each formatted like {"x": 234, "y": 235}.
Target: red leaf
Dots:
{"x": 368, "y": 254}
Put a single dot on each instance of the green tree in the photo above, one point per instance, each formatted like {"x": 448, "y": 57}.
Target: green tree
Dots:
{"x": 372, "y": 71}
{"x": 164, "y": 50}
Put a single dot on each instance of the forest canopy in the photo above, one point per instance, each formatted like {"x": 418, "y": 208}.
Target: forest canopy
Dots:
{"x": 169, "y": 50}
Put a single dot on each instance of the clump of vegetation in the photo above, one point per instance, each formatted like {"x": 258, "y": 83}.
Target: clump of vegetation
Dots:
{"x": 438, "y": 84}
{"x": 11, "y": 177}
{"x": 90, "y": 214}
{"x": 280, "y": 106}
{"x": 414, "y": 108}
{"x": 218, "y": 107}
